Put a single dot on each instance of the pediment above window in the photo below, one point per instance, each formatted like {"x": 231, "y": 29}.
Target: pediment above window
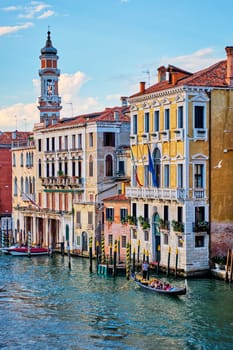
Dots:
{"x": 201, "y": 97}
{"x": 133, "y": 108}
{"x": 156, "y": 103}
{"x": 179, "y": 98}
{"x": 199, "y": 156}
{"x": 146, "y": 105}
{"x": 165, "y": 157}
{"x": 179, "y": 157}
{"x": 166, "y": 101}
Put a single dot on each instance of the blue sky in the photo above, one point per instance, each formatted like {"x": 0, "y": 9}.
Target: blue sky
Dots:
{"x": 105, "y": 48}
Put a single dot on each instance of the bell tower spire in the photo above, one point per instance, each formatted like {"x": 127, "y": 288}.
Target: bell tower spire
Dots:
{"x": 49, "y": 101}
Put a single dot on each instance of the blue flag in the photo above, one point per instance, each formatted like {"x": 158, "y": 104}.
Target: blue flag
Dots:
{"x": 152, "y": 169}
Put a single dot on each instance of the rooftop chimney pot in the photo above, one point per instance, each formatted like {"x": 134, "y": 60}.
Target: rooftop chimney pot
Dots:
{"x": 229, "y": 75}
{"x": 142, "y": 85}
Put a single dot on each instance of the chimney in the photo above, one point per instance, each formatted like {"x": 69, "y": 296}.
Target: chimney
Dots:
{"x": 116, "y": 116}
{"x": 124, "y": 102}
{"x": 161, "y": 73}
{"x": 142, "y": 86}
{"x": 229, "y": 75}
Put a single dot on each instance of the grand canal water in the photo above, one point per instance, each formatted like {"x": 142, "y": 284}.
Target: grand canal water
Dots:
{"x": 44, "y": 305}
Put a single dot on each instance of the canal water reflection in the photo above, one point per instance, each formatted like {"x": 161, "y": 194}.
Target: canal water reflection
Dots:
{"x": 44, "y": 305}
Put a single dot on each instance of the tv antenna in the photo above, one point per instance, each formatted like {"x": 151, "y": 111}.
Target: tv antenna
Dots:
{"x": 148, "y": 75}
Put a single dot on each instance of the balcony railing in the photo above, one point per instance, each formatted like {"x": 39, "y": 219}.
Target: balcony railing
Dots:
{"x": 62, "y": 181}
{"x": 155, "y": 193}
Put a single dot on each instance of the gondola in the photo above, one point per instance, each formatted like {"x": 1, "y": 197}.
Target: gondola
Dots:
{"x": 146, "y": 284}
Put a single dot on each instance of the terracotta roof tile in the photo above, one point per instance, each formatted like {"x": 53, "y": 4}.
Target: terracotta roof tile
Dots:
{"x": 118, "y": 197}
{"x": 213, "y": 76}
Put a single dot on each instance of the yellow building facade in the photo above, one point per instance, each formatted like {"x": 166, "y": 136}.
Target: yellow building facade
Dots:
{"x": 182, "y": 167}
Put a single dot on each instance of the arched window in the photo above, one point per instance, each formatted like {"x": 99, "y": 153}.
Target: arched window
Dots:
{"x": 33, "y": 185}
{"x": 108, "y": 166}
{"x": 15, "y": 187}
{"x": 91, "y": 170}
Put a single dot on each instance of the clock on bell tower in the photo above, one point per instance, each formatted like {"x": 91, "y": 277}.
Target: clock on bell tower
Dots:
{"x": 49, "y": 101}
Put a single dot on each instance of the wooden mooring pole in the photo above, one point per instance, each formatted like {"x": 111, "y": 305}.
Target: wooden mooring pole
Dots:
{"x": 90, "y": 253}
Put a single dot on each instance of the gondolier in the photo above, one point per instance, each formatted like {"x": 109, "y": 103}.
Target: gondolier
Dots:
{"x": 145, "y": 268}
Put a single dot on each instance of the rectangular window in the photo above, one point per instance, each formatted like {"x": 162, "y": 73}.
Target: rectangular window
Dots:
{"x": 60, "y": 143}
{"x": 66, "y": 142}
{"x": 199, "y": 241}
{"x": 110, "y": 214}
{"x": 73, "y": 141}
{"x": 47, "y": 144}
{"x": 79, "y": 140}
{"x": 110, "y": 240}
{"x": 199, "y": 117}
{"x": 39, "y": 145}
{"x": 180, "y": 182}
{"x": 146, "y": 235}
{"x": 109, "y": 139}
{"x": 165, "y": 213}
{"x": 165, "y": 239}
{"x": 123, "y": 241}
{"x": 156, "y": 120}
{"x": 146, "y": 176}
{"x": 90, "y": 218}
{"x": 135, "y": 124}
{"x": 147, "y": 122}
{"x": 180, "y": 117}
{"x": 166, "y": 175}
{"x": 123, "y": 214}
{"x": 199, "y": 214}
{"x": 53, "y": 143}
{"x": 199, "y": 175}
{"x": 134, "y": 210}
{"x": 47, "y": 170}
{"x": 78, "y": 217}
{"x": 166, "y": 119}
{"x": 91, "y": 139}
{"x": 121, "y": 167}
{"x": 146, "y": 212}
{"x": 180, "y": 214}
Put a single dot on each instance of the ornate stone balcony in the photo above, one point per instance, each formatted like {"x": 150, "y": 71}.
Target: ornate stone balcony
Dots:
{"x": 155, "y": 193}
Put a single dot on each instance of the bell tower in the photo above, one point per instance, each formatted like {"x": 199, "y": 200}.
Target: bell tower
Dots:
{"x": 49, "y": 101}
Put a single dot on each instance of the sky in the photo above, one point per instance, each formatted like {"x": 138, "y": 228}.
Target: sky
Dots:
{"x": 105, "y": 48}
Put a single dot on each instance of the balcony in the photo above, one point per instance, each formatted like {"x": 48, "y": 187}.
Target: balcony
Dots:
{"x": 199, "y": 193}
{"x": 145, "y": 138}
{"x": 165, "y": 135}
{"x": 155, "y": 193}
{"x": 154, "y": 136}
{"x": 133, "y": 139}
{"x": 200, "y": 134}
{"x": 201, "y": 226}
{"x": 62, "y": 181}
{"x": 179, "y": 134}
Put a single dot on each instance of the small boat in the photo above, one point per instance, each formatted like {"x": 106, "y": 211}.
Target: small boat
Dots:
{"x": 6, "y": 250}
{"x": 25, "y": 251}
{"x": 159, "y": 286}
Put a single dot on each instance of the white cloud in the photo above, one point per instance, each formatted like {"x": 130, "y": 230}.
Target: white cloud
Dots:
{"x": 72, "y": 103}
{"x": 10, "y": 8}
{"x": 34, "y": 9}
{"x": 4, "y": 30}
{"x": 193, "y": 62}
{"x": 46, "y": 14}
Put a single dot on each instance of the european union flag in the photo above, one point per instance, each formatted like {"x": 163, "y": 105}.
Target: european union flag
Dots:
{"x": 152, "y": 169}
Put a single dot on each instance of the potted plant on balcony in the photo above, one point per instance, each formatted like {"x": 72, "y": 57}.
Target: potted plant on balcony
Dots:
{"x": 177, "y": 226}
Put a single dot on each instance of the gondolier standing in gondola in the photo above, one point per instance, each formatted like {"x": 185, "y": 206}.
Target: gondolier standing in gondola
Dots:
{"x": 145, "y": 268}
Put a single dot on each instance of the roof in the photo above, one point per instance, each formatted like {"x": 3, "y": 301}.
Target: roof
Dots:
{"x": 6, "y": 138}
{"x": 108, "y": 115}
{"x": 116, "y": 198}
{"x": 213, "y": 76}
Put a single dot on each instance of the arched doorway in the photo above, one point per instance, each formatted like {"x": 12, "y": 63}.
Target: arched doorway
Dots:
{"x": 84, "y": 241}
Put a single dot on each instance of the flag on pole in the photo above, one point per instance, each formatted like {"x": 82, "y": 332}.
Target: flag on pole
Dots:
{"x": 135, "y": 170}
{"x": 152, "y": 169}
{"x": 31, "y": 201}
